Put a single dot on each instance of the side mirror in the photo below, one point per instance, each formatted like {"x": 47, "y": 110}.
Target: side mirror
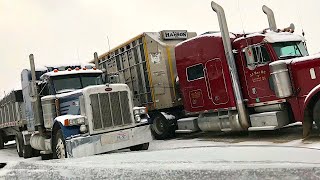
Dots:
{"x": 104, "y": 78}
{"x": 248, "y": 51}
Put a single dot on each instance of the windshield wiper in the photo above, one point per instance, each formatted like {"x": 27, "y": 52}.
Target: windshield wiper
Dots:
{"x": 65, "y": 91}
{"x": 289, "y": 56}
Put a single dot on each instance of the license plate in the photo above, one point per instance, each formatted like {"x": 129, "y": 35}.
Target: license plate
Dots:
{"x": 114, "y": 137}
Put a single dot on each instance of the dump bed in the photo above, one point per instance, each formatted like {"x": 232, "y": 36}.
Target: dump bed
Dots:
{"x": 11, "y": 110}
{"x": 147, "y": 65}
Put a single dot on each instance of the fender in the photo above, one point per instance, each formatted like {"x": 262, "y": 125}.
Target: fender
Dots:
{"x": 310, "y": 96}
{"x": 67, "y": 131}
{"x": 308, "y": 120}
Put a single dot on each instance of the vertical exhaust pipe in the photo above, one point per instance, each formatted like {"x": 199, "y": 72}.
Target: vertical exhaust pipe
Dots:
{"x": 96, "y": 60}
{"x": 35, "y": 98}
{"x": 270, "y": 15}
{"x": 242, "y": 112}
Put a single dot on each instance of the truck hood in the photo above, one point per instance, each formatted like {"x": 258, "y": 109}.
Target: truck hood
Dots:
{"x": 305, "y": 73}
{"x": 62, "y": 95}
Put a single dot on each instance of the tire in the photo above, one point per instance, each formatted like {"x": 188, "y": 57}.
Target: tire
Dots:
{"x": 35, "y": 152}
{"x": 316, "y": 114}
{"x": 140, "y": 147}
{"x": 1, "y": 140}
{"x": 19, "y": 144}
{"x": 46, "y": 156}
{"x": 161, "y": 128}
{"x": 27, "y": 151}
{"x": 59, "y": 146}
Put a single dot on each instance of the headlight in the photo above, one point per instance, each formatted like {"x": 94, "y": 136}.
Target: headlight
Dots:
{"x": 83, "y": 128}
{"x": 136, "y": 111}
{"x": 137, "y": 118}
{"x": 74, "y": 121}
{"x": 139, "y": 110}
{"x": 143, "y": 111}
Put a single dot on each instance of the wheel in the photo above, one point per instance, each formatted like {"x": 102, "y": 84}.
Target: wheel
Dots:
{"x": 161, "y": 127}
{"x": 140, "y": 147}
{"x": 1, "y": 141}
{"x": 27, "y": 151}
{"x": 46, "y": 156}
{"x": 35, "y": 152}
{"x": 59, "y": 151}
{"x": 19, "y": 144}
{"x": 316, "y": 114}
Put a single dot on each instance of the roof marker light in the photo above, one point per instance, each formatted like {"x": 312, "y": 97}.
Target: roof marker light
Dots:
{"x": 69, "y": 69}
{"x": 55, "y": 70}
{"x": 77, "y": 69}
{"x": 84, "y": 68}
{"x": 94, "y": 68}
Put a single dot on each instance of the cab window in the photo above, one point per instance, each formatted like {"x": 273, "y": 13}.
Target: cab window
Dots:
{"x": 195, "y": 72}
{"x": 256, "y": 55}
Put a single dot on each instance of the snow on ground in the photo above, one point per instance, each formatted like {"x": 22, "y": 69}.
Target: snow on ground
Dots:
{"x": 276, "y": 154}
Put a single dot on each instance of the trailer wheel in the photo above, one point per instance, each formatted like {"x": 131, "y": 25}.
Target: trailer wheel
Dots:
{"x": 46, "y": 156}
{"x": 1, "y": 140}
{"x": 27, "y": 151}
{"x": 59, "y": 151}
{"x": 35, "y": 152}
{"x": 140, "y": 147}
{"x": 19, "y": 144}
{"x": 316, "y": 114}
{"x": 161, "y": 128}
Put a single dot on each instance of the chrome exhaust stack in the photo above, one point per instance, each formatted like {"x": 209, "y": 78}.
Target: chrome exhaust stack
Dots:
{"x": 96, "y": 60}
{"x": 271, "y": 19}
{"x": 242, "y": 112}
{"x": 35, "y": 97}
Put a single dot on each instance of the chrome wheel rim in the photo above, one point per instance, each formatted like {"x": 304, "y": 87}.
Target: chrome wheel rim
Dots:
{"x": 158, "y": 126}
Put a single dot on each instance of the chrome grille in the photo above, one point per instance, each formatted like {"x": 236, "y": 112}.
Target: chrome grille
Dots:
{"x": 110, "y": 110}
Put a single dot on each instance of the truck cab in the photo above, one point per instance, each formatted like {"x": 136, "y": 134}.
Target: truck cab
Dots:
{"x": 258, "y": 81}
{"x": 79, "y": 115}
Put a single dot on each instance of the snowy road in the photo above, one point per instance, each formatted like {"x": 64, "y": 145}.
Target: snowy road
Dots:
{"x": 278, "y": 154}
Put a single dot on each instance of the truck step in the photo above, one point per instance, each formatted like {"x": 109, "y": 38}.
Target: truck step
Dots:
{"x": 224, "y": 117}
{"x": 263, "y": 128}
{"x": 187, "y": 131}
{"x": 268, "y": 120}
{"x": 226, "y": 129}
{"x": 187, "y": 125}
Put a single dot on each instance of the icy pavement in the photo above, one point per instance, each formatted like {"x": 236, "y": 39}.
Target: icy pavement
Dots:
{"x": 268, "y": 155}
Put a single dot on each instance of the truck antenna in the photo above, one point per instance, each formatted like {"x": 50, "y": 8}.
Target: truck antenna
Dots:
{"x": 244, "y": 33}
{"x": 78, "y": 55}
{"x": 108, "y": 43}
{"x": 299, "y": 17}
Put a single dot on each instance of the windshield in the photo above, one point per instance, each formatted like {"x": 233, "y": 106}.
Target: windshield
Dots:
{"x": 73, "y": 82}
{"x": 285, "y": 50}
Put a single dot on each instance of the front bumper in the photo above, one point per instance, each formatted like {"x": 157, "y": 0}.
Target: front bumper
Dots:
{"x": 101, "y": 143}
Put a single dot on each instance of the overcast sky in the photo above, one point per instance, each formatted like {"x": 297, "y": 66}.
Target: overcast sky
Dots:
{"x": 62, "y": 31}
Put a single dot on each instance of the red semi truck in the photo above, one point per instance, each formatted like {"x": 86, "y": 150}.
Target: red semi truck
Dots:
{"x": 219, "y": 81}
{"x": 258, "y": 81}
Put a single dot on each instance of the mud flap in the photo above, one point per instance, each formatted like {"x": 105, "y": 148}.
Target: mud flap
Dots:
{"x": 307, "y": 123}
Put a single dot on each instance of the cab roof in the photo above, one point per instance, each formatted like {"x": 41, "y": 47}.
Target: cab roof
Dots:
{"x": 69, "y": 72}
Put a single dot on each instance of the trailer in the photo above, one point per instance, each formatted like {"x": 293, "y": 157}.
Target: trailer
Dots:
{"x": 146, "y": 63}
{"x": 68, "y": 111}
{"x": 12, "y": 117}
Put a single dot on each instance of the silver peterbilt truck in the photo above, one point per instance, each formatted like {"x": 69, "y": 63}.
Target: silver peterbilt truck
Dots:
{"x": 63, "y": 112}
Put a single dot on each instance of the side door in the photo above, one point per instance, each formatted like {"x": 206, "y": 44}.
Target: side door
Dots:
{"x": 257, "y": 74}
{"x": 215, "y": 81}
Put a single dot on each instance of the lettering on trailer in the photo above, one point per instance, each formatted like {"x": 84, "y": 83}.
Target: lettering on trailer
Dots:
{"x": 173, "y": 35}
